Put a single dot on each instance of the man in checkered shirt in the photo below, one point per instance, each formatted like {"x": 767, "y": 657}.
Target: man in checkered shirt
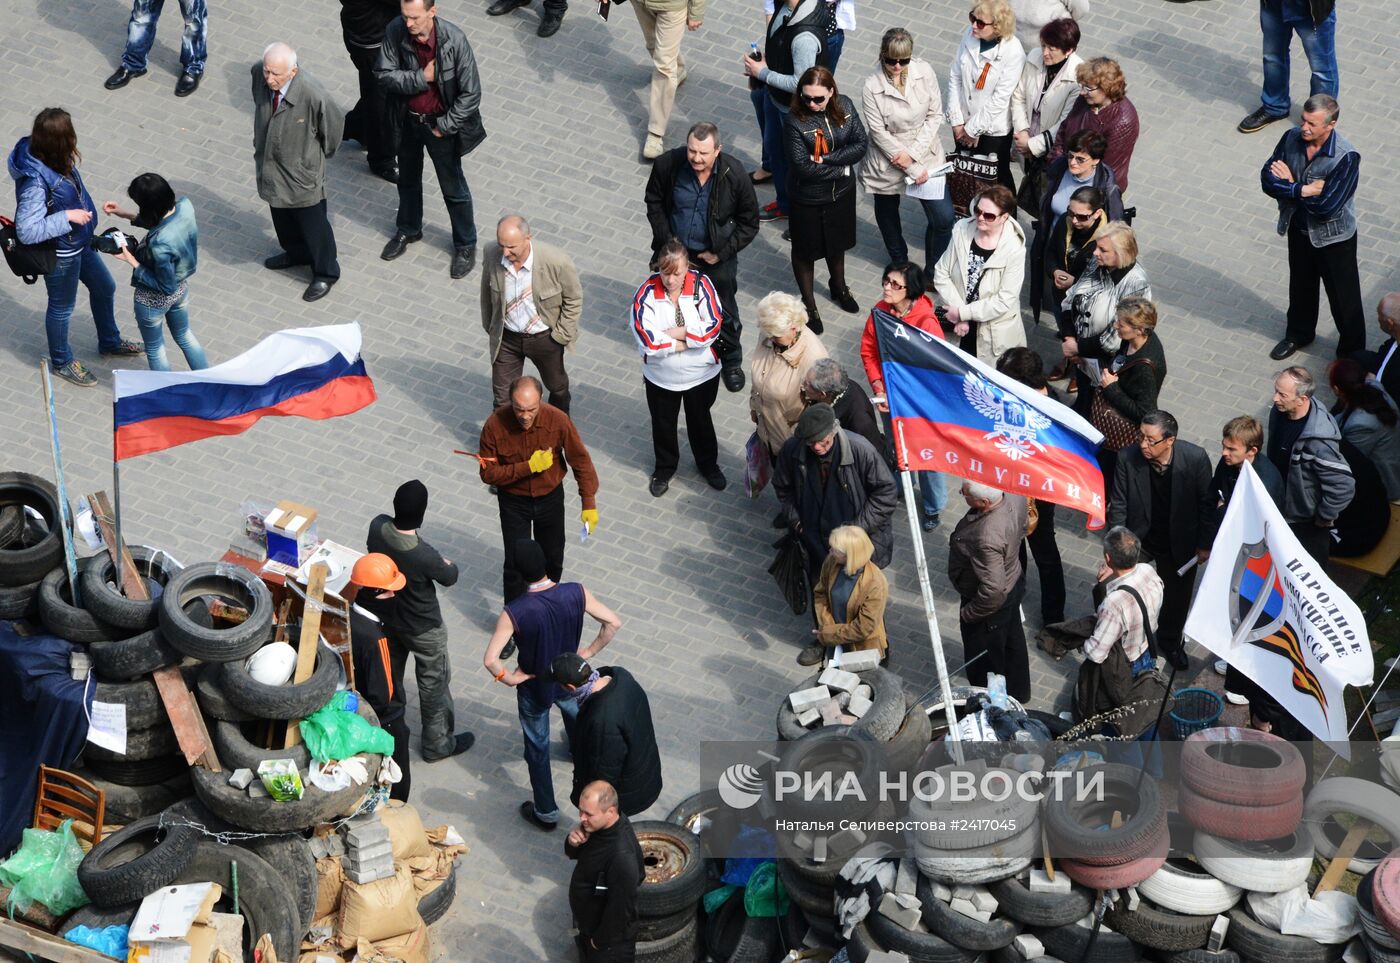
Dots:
{"x": 1119, "y": 615}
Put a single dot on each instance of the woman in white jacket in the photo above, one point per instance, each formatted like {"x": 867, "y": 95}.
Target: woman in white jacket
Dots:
{"x": 1047, "y": 90}
{"x": 676, "y": 320}
{"x": 985, "y": 71}
{"x": 979, "y": 277}
{"x": 903, "y": 111}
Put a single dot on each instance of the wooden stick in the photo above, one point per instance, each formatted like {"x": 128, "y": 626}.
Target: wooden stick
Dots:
{"x": 133, "y": 585}
{"x": 1045, "y": 852}
{"x": 46, "y": 946}
{"x": 1339, "y": 863}
{"x": 310, "y": 638}
{"x": 1117, "y": 821}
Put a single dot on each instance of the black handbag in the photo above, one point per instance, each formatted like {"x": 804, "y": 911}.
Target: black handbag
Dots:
{"x": 27, "y": 261}
{"x": 789, "y": 570}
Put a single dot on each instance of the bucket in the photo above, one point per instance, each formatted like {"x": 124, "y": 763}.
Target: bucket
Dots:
{"x": 1194, "y": 710}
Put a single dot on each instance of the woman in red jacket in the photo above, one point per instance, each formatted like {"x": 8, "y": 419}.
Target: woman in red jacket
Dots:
{"x": 902, "y": 294}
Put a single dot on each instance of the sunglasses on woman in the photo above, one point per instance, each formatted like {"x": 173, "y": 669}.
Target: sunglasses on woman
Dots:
{"x": 985, "y": 215}
{"x": 814, "y": 101}
{"x": 897, "y": 61}
{"x": 977, "y": 22}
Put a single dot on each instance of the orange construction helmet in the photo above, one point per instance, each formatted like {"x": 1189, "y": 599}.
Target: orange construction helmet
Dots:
{"x": 377, "y": 571}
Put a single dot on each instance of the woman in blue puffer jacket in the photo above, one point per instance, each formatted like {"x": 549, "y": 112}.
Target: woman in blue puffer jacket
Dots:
{"x": 52, "y": 204}
{"x": 163, "y": 262}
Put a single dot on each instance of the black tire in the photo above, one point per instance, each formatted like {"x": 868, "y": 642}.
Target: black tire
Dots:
{"x": 135, "y": 861}
{"x": 962, "y": 930}
{"x": 651, "y": 930}
{"x": 882, "y": 720}
{"x": 1072, "y": 941}
{"x": 290, "y": 701}
{"x": 674, "y": 860}
{"x": 814, "y": 899}
{"x": 1159, "y": 929}
{"x": 133, "y": 657}
{"x": 24, "y": 564}
{"x": 682, "y": 946}
{"x": 157, "y": 742}
{"x": 262, "y": 895}
{"x": 236, "y": 585}
{"x": 1047, "y": 910}
{"x": 859, "y": 749}
{"x": 1203, "y": 956}
{"x": 212, "y": 700}
{"x": 138, "y": 773}
{"x": 723, "y": 821}
{"x": 1077, "y": 826}
{"x": 435, "y": 903}
{"x": 919, "y": 947}
{"x": 102, "y": 590}
{"x": 292, "y": 857}
{"x": 126, "y": 804}
{"x": 238, "y": 751}
{"x": 907, "y": 745}
{"x": 98, "y": 917}
{"x": 66, "y": 620}
{"x": 144, "y": 708}
{"x": 758, "y": 941}
{"x": 11, "y": 524}
{"x": 19, "y": 601}
{"x": 723, "y": 928}
{"x": 1255, "y": 941}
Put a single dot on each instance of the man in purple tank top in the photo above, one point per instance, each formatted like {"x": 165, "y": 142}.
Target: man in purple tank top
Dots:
{"x": 545, "y": 622}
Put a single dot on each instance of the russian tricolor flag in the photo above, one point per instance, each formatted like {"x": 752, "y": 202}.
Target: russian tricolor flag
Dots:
{"x": 304, "y": 373}
{"x": 954, "y": 414}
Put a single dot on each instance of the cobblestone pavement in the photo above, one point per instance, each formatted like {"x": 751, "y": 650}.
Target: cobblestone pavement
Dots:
{"x": 704, "y": 631}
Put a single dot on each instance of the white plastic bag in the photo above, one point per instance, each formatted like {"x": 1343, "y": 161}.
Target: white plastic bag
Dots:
{"x": 1330, "y": 918}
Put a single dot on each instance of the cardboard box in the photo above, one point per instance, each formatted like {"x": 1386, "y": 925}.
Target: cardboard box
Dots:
{"x": 172, "y": 925}
{"x": 291, "y": 533}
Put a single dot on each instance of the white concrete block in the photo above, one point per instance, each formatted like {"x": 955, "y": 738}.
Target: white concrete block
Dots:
{"x": 969, "y": 909}
{"x": 256, "y": 790}
{"x": 942, "y": 892}
{"x": 834, "y": 678}
{"x": 370, "y": 875}
{"x": 906, "y": 881}
{"x": 892, "y": 908}
{"x": 846, "y": 841}
{"x": 807, "y": 698}
{"x": 886, "y": 956}
{"x": 240, "y": 778}
{"x": 1028, "y": 947}
{"x": 819, "y": 849}
{"x": 843, "y": 699}
{"x": 963, "y": 892}
{"x": 808, "y": 716}
{"x": 866, "y": 691}
{"x": 1041, "y": 883}
{"x": 1133, "y": 899}
{"x": 984, "y": 900}
{"x": 1218, "y": 929}
{"x": 859, "y": 661}
{"x": 830, "y": 712}
{"x": 335, "y": 846}
{"x": 859, "y": 705}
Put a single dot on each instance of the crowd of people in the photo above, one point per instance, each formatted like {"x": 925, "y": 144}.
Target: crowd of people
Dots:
{"x": 1046, "y": 226}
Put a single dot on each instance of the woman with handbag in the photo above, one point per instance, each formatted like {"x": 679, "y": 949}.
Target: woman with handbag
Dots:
{"x": 163, "y": 263}
{"x": 1130, "y": 383}
{"x": 824, "y": 140}
{"x": 1087, "y": 333}
{"x": 53, "y": 208}
{"x": 1082, "y": 166}
{"x": 985, "y": 71}
{"x": 676, "y": 320}
{"x": 903, "y": 112}
{"x": 1041, "y": 100}
{"x": 849, "y": 598}
{"x": 979, "y": 277}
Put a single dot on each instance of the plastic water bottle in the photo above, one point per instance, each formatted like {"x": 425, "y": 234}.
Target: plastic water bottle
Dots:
{"x": 996, "y": 689}
{"x": 583, "y": 535}
{"x": 753, "y": 50}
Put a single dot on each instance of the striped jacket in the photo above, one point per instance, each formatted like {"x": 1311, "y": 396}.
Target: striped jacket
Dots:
{"x": 665, "y": 363}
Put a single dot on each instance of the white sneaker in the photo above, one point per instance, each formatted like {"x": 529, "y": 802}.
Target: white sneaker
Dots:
{"x": 1221, "y": 665}
{"x": 1236, "y": 699}
{"x": 653, "y": 148}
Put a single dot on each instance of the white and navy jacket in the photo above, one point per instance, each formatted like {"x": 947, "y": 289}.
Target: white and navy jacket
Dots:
{"x": 653, "y": 314}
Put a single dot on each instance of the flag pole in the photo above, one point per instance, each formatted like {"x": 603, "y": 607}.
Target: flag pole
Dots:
{"x": 65, "y": 517}
{"x": 921, "y": 562}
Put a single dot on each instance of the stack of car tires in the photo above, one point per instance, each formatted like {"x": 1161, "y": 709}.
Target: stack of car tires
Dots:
{"x": 1241, "y": 784}
{"x": 668, "y": 901}
{"x": 1378, "y": 905}
{"x": 31, "y": 543}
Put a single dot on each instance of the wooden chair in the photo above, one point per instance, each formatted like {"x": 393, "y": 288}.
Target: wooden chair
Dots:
{"x": 62, "y": 795}
{"x": 1381, "y": 559}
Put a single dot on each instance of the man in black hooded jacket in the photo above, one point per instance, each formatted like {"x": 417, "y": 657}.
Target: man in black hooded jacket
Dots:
{"x": 608, "y": 871}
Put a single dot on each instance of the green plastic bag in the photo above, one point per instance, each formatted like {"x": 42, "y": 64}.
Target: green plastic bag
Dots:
{"x": 717, "y": 897}
{"x": 765, "y": 895}
{"x": 334, "y": 732}
{"x": 45, "y": 870}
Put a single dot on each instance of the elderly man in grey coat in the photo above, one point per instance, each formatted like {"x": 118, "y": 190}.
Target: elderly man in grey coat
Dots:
{"x": 984, "y": 565}
{"x": 296, "y": 126}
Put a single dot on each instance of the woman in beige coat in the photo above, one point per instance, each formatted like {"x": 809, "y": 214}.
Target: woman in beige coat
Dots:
{"x": 979, "y": 277}
{"x": 903, "y": 111}
{"x": 778, "y": 366}
{"x": 1046, "y": 93}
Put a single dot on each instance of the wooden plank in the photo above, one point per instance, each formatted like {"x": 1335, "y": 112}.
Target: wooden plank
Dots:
{"x": 186, "y": 719}
{"x": 1045, "y": 852}
{"x": 1354, "y": 838}
{"x": 310, "y": 638}
{"x": 133, "y": 585}
{"x": 46, "y": 946}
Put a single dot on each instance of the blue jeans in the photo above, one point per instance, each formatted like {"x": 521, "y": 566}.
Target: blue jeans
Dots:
{"x": 141, "y": 34}
{"x": 152, "y": 322}
{"x": 1279, "y": 20}
{"x": 939, "y": 215}
{"x": 534, "y": 726}
{"x": 933, "y": 492}
{"x": 773, "y": 119}
{"x": 89, "y": 269}
{"x": 834, "y": 44}
{"x": 415, "y": 138}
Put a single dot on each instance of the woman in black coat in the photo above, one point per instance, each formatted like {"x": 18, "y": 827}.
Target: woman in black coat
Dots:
{"x": 1131, "y": 381}
{"x": 824, "y": 140}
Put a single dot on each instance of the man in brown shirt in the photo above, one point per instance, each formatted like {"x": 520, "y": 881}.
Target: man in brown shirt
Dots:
{"x": 526, "y": 448}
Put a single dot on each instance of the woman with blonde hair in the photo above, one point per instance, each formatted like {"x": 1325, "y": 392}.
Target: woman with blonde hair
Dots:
{"x": 1131, "y": 381}
{"x": 784, "y": 354}
{"x": 1103, "y": 106}
{"x": 849, "y": 598}
{"x": 985, "y": 72}
{"x": 1087, "y": 331}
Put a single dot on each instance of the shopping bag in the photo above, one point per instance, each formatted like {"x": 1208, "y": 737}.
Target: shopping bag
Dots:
{"x": 758, "y": 466}
{"x": 789, "y": 570}
{"x": 971, "y": 174}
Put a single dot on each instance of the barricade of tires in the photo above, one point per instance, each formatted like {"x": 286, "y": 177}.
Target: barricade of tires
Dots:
{"x": 1241, "y": 784}
{"x": 668, "y": 901}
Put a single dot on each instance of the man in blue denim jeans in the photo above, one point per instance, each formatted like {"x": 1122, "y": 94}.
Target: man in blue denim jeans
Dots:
{"x": 141, "y": 34}
{"x": 544, "y": 623}
{"x": 1315, "y": 23}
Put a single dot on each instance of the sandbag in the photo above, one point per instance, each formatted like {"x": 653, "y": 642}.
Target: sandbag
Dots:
{"x": 406, "y": 834}
{"x": 410, "y": 948}
{"x": 377, "y": 911}
{"x": 330, "y": 879}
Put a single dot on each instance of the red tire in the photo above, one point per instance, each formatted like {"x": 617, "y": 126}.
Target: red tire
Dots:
{"x": 1232, "y": 821}
{"x": 1265, "y": 770}
{"x": 1385, "y": 893}
{"x": 1117, "y": 877}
